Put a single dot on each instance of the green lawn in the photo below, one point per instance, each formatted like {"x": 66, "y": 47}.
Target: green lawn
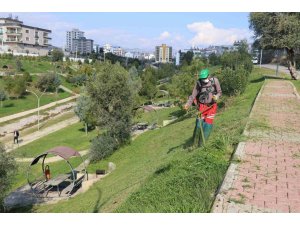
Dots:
{"x": 72, "y": 136}
{"x": 158, "y": 116}
{"x": 29, "y": 101}
{"x": 157, "y": 173}
{"x": 28, "y": 65}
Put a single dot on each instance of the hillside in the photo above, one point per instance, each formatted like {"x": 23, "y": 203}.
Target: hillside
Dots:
{"x": 157, "y": 173}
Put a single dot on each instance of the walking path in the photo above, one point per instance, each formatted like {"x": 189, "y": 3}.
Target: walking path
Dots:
{"x": 21, "y": 114}
{"x": 264, "y": 175}
{"x": 39, "y": 134}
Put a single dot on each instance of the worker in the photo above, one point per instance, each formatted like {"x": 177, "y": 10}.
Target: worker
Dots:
{"x": 205, "y": 95}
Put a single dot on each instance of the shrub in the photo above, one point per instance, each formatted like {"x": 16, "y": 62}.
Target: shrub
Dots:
{"x": 48, "y": 82}
{"x": 7, "y": 169}
{"x": 234, "y": 82}
{"x": 102, "y": 146}
{"x": 27, "y": 77}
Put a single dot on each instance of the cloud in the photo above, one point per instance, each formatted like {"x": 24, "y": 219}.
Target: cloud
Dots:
{"x": 164, "y": 35}
{"x": 208, "y": 34}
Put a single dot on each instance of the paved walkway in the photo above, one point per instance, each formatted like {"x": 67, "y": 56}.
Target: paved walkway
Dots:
{"x": 264, "y": 175}
{"x": 39, "y": 134}
{"x": 21, "y": 114}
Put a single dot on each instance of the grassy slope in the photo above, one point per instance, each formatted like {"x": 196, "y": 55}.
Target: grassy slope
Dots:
{"x": 156, "y": 174}
{"x": 28, "y": 65}
{"x": 29, "y": 101}
{"x": 72, "y": 136}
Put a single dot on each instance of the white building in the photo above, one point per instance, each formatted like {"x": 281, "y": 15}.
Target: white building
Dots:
{"x": 118, "y": 51}
{"x": 18, "y": 38}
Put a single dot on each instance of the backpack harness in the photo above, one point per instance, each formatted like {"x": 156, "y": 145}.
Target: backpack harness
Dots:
{"x": 202, "y": 96}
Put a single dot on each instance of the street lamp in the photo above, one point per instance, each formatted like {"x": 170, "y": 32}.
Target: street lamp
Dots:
{"x": 38, "y": 98}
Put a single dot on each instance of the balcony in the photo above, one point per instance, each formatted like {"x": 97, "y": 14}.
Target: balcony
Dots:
{"x": 13, "y": 40}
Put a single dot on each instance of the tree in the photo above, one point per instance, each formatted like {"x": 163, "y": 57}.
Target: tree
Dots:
{"x": 7, "y": 171}
{"x": 15, "y": 86}
{"x": 48, "y": 82}
{"x": 149, "y": 88}
{"x": 279, "y": 30}
{"x": 3, "y": 96}
{"x": 57, "y": 55}
{"x": 214, "y": 59}
{"x": 111, "y": 101}
{"x": 83, "y": 110}
{"x": 18, "y": 65}
{"x": 135, "y": 84}
{"x": 188, "y": 57}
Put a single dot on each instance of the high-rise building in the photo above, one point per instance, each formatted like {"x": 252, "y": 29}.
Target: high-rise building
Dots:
{"x": 163, "y": 54}
{"x": 83, "y": 45}
{"x": 76, "y": 42}
{"x": 71, "y": 35}
{"x": 17, "y": 37}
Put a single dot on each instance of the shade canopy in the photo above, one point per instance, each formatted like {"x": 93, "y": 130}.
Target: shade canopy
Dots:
{"x": 62, "y": 151}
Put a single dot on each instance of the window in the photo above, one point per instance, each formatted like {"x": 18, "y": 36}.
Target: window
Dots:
{"x": 27, "y": 38}
{"x": 27, "y": 31}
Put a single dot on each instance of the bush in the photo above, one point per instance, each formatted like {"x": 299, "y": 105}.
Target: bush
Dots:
{"x": 102, "y": 146}
{"x": 7, "y": 169}
{"x": 234, "y": 82}
{"x": 48, "y": 82}
{"x": 27, "y": 77}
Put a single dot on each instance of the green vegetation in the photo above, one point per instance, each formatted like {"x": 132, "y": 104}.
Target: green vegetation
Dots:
{"x": 31, "y": 66}
{"x": 156, "y": 173}
{"x": 29, "y": 101}
{"x": 72, "y": 136}
{"x": 158, "y": 116}
{"x": 278, "y": 31}
{"x": 7, "y": 170}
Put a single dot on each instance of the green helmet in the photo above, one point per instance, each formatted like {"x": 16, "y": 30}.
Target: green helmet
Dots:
{"x": 203, "y": 74}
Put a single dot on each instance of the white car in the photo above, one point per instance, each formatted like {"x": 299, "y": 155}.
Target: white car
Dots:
{"x": 254, "y": 60}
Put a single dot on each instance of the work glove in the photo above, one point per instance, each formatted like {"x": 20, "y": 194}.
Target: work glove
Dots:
{"x": 215, "y": 98}
{"x": 186, "y": 107}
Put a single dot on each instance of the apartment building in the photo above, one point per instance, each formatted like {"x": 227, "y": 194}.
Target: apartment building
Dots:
{"x": 71, "y": 35}
{"x": 83, "y": 45}
{"x": 163, "y": 54}
{"x": 16, "y": 37}
{"x": 77, "y": 42}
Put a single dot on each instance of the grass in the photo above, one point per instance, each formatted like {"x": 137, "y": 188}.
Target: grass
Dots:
{"x": 158, "y": 116}
{"x": 29, "y": 101}
{"x": 72, "y": 136}
{"x": 157, "y": 173}
{"x": 29, "y": 65}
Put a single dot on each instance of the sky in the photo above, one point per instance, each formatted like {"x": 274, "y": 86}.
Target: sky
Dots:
{"x": 144, "y": 30}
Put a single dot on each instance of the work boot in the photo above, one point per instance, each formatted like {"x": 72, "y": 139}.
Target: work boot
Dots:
{"x": 207, "y": 128}
{"x": 197, "y": 132}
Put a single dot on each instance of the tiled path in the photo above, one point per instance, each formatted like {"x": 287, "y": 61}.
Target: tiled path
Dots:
{"x": 265, "y": 173}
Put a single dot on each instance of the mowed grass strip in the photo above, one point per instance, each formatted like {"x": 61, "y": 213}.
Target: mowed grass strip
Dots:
{"x": 156, "y": 173}
{"x": 72, "y": 136}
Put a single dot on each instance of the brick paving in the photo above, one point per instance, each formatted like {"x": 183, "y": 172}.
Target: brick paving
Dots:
{"x": 265, "y": 173}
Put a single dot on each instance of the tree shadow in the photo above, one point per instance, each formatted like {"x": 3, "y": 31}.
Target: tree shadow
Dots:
{"x": 276, "y": 77}
{"x": 9, "y": 105}
{"x": 261, "y": 79}
{"x": 187, "y": 145}
{"x": 163, "y": 169}
{"x": 97, "y": 204}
